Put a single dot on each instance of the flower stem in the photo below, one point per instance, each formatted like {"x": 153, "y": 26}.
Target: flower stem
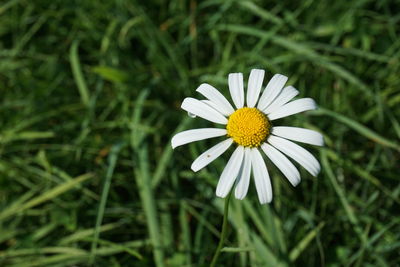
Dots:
{"x": 223, "y": 231}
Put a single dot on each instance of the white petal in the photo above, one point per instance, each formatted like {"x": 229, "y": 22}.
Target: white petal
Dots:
{"x": 191, "y": 115}
{"x": 194, "y": 135}
{"x": 254, "y": 87}
{"x": 230, "y": 172}
{"x": 296, "y": 152}
{"x": 203, "y": 110}
{"x": 285, "y": 96}
{"x": 293, "y": 107}
{"x": 211, "y": 104}
{"x": 299, "y": 134}
{"x": 221, "y": 104}
{"x": 283, "y": 164}
{"x": 211, "y": 154}
{"x": 244, "y": 176}
{"x": 235, "y": 81}
{"x": 272, "y": 90}
{"x": 261, "y": 177}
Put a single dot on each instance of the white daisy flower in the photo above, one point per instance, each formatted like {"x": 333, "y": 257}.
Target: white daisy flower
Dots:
{"x": 249, "y": 128}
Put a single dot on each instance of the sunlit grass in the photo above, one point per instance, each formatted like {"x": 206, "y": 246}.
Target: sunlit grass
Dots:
{"x": 90, "y": 94}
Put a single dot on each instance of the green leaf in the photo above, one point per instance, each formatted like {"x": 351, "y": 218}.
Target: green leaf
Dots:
{"x": 111, "y": 74}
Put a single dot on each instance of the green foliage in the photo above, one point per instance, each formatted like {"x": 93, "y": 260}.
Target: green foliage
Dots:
{"x": 90, "y": 94}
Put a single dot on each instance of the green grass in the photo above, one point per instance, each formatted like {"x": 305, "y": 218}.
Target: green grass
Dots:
{"x": 89, "y": 100}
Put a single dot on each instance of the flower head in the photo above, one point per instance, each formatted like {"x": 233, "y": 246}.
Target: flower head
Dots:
{"x": 249, "y": 128}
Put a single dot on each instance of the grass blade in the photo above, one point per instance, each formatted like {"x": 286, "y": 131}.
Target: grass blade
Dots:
{"x": 358, "y": 127}
{"x": 296, "y": 251}
{"x": 342, "y": 197}
{"x": 78, "y": 75}
{"x": 46, "y": 196}
{"x": 103, "y": 200}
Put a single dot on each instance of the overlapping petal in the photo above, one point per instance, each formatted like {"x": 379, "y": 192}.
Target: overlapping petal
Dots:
{"x": 296, "y": 152}
{"x": 285, "y": 96}
{"x": 293, "y": 107}
{"x": 219, "y": 101}
{"x": 198, "y": 108}
{"x": 299, "y": 134}
{"x": 261, "y": 177}
{"x": 283, "y": 163}
{"x": 244, "y": 176}
{"x": 271, "y": 91}
{"x": 230, "y": 172}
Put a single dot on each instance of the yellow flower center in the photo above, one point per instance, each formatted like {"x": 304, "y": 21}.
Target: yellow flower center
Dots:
{"x": 248, "y": 127}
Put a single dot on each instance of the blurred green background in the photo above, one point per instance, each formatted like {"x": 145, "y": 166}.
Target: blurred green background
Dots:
{"x": 90, "y": 94}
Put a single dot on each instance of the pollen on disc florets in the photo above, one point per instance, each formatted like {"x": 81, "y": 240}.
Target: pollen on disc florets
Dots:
{"x": 248, "y": 127}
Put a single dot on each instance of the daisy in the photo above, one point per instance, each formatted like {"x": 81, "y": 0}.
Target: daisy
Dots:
{"x": 249, "y": 129}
